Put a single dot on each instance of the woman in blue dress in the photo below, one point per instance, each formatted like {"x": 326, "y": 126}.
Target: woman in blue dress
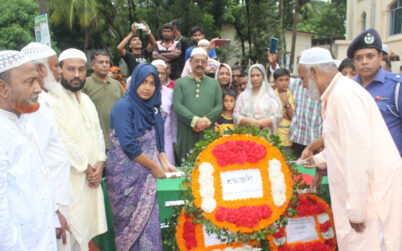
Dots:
{"x": 136, "y": 143}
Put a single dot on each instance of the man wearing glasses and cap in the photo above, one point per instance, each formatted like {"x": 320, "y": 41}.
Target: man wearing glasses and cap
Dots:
{"x": 364, "y": 166}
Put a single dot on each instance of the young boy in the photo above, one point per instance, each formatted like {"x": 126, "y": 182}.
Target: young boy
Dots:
{"x": 226, "y": 118}
{"x": 282, "y": 80}
{"x": 347, "y": 68}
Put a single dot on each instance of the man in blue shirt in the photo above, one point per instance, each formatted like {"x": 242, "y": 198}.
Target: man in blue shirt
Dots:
{"x": 365, "y": 50}
{"x": 196, "y": 34}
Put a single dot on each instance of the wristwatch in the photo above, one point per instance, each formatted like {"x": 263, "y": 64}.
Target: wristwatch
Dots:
{"x": 287, "y": 106}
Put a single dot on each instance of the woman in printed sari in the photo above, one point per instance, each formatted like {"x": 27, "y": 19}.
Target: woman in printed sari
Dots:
{"x": 136, "y": 142}
{"x": 258, "y": 105}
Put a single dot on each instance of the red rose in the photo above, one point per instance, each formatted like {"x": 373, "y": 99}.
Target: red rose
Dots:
{"x": 238, "y": 152}
{"x": 280, "y": 234}
{"x": 220, "y": 214}
{"x": 324, "y": 227}
{"x": 330, "y": 242}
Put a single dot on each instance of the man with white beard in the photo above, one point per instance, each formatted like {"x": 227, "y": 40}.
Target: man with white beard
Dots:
{"x": 55, "y": 157}
{"x": 364, "y": 166}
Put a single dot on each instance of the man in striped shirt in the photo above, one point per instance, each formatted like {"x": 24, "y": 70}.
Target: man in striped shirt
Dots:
{"x": 306, "y": 125}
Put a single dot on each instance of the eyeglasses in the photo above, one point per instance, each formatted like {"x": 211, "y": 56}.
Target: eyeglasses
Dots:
{"x": 197, "y": 61}
{"x": 162, "y": 73}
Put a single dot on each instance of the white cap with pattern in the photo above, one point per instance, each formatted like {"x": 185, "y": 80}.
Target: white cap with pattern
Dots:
{"x": 316, "y": 55}
{"x": 37, "y": 51}
{"x": 203, "y": 41}
{"x": 11, "y": 59}
{"x": 197, "y": 51}
{"x": 158, "y": 62}
{"x": 72, "y": 53}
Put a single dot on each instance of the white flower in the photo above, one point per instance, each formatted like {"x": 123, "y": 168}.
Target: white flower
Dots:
{"x": 279, "y": 241}
{"x": 244, "y": 248}
{"x": 205, "y": 180}
{"x": 279, "y": 199}
{"x": 278, "y": 186}
{"x": 208, "y": 205}
{"x": 329, "y": 234}
{"x": 275, "y": 165}
{"x": 322, "y": 218}
{"x": 207, "y": 192}
{"x": 206, "y": 168}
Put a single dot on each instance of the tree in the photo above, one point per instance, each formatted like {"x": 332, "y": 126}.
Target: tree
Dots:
{"x": 86, "y": 11}
{"x": 43, "y": 6}
{"x": 17, "y": 23}
{"x": 328, "y": 22}
{"x": 294, "y": 33}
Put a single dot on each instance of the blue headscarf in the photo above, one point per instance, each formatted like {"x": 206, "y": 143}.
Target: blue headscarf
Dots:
{"x": 146, "y": 112}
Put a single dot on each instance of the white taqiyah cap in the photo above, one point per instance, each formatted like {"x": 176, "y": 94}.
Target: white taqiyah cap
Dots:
{"x": 385, "y": 48}
{"x": 203, "y": 41}
{"x": 37, "y": 51}
{"x": 72, "y": 53}
{"x": 11, "y": 59}
{"x": 197, "y": 51}
{"x": 158, "y": 62}
{"x": 316, "y": 55}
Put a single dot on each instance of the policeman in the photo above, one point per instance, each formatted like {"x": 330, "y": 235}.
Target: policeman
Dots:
{"x": 365, "y": 50}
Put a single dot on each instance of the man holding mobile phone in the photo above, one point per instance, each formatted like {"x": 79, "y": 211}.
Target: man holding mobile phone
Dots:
{"x": 138, "y": 54}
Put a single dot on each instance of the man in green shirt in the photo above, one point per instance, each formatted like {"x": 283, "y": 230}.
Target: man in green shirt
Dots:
{"x": 197, "y": 100}
{"x": 103, "y": 90}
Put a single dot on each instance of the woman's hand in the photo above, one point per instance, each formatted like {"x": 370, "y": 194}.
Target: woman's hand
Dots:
{"x": 159, "y": 173}
{"x": 170, "y": 168}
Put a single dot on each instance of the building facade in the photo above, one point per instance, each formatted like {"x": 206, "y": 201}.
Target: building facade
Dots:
{"x": 383, "y": 15}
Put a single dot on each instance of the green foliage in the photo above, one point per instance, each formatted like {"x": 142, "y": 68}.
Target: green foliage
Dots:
{"x": 17, "y": 23}
{"x": 67, "y": 11}
{"x": 196, "y": 213}
{"x": 328, "y": 22}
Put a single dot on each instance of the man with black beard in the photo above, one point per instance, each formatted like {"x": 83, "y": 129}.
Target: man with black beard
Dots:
{"x": 80, "y": 131}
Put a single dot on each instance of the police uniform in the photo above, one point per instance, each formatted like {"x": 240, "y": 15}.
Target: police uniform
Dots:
{"x": 382, "y": 87}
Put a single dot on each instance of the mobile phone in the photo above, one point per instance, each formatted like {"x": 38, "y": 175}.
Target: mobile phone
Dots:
{"x": 222, "y": 42}
{"x": 274, "y": 45}
{"x": 140, "y": 26}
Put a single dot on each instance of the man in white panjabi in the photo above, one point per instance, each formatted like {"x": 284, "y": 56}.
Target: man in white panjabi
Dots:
{"x": 44, "y": 123}
{"x": 27, "y": 213}
{"x": 80, "y": 131}
{"x": 364, "y": 165}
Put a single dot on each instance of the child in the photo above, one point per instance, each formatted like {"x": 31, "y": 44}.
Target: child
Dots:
{"x": 226, "y": 118}
{"x": 282, "y": 80}
{"x": 347, "y": 68}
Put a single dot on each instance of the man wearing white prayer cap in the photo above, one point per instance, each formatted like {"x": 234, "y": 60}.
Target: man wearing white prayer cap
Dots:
{"x": 44, "y": 56}
{"x": 212, "y": 64}
{"x": 169, "y": 116}
{"x": 363, "y": 162}
{"x": 197, "y": 100}
{"x": 27, "y": 212}
{"x": 44, "y": 122}
{"x": 80, "y": 131}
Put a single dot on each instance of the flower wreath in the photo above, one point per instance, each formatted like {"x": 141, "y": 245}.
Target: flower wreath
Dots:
{"x": 255, "y": 237}
{"x": 309, "y": 205}
{"x": 253, "y": 211}
{"x": 191, "y": 236}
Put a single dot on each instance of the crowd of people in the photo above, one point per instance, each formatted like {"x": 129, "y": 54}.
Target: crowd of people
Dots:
{"x": 63, "y": 131}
